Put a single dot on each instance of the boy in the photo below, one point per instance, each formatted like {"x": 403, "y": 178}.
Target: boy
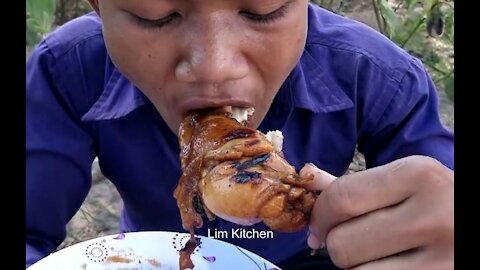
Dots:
{"x": 117, "y": 82}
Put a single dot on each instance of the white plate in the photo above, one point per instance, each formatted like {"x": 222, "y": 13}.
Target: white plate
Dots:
{"x": 149, "y": 251}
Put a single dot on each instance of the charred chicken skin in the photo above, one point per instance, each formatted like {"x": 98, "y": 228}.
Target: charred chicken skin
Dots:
{"x": 235, "y": 173}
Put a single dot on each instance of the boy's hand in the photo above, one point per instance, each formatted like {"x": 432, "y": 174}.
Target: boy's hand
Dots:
{"x": 396, "y": 216}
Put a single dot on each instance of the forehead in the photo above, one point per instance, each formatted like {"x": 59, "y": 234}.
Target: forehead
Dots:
{"x": 198, "y": 2}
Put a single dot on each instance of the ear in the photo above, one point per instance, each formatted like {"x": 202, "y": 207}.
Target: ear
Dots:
{"x": 94, "y": 5}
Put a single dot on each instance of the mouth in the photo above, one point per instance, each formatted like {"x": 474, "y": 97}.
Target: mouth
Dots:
{"x": 230, "y": 105}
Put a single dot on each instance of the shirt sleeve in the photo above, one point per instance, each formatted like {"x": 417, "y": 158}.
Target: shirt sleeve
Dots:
{"x": 409, "y": 124}
{"x": 59, "y": 155}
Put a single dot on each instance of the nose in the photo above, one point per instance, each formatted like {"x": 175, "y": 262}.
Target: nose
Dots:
{"x": 213, "y": 54}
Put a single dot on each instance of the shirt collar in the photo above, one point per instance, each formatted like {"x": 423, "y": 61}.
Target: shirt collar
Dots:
{"x": 119, "y": 98}
{"x": 308, "y": 86}
{"x": 314, "y": 88}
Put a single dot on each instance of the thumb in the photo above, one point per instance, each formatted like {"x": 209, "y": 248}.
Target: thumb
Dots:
{"x": 321, "y": 179}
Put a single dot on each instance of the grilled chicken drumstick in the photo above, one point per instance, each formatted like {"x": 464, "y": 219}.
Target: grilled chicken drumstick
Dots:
{"x": 236, "y": 173}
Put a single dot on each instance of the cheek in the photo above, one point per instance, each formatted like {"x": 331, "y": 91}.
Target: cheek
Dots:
{"x": 282, "y": 52}
{"x": 274, "y": 54}
{"x": 295, "y": 37}
{"x": 138, "y": 56}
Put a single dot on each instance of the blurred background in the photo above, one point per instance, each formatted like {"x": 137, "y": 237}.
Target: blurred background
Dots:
{"x": 424, "y": 28}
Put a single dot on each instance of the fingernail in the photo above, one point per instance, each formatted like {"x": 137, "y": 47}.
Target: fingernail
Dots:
{"x": 313, "y": 241}
{"x": 306, "y": 170}
{"x": 313, "y": 167}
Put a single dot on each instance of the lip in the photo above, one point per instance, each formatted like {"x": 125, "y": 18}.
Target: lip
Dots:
{"x": 204, "y": 103}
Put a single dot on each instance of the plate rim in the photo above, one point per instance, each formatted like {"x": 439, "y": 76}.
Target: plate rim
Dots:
{"x": 122, "y": 235}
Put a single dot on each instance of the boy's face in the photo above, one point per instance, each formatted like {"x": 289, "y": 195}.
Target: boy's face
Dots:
{"x": 189, "y": 54}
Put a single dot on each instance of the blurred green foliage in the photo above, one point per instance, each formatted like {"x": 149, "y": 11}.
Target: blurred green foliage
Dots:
{"x": 425, "y": 28}
{"x": 69, "y": 9}
{"x": 422, "y": 27}
{"x": 40, "y": 18}
{"x": 44, "y": 15}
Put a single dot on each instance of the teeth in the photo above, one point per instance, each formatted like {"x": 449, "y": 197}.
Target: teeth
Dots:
{"x": 227, "y": 109}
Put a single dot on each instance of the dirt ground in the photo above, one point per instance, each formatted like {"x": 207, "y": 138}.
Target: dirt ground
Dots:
{"x": 99, "y": 214}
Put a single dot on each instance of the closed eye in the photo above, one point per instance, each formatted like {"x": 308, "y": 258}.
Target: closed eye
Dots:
{"x": 157, "y": 23}
{"x": 268, "y": 17}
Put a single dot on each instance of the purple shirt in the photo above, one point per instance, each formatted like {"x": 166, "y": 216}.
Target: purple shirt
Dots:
{"x": 351, "y": 87}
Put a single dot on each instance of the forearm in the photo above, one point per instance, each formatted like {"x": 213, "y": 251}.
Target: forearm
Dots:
{"x": 59, "y": 155}
{"x": 56, "y": 188}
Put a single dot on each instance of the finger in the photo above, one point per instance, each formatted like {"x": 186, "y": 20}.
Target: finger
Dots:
{"x": 313, "y": 242}
{"x": 401, "y": 261}
{"x": 378, "y": 234}
{"x": 321, "y": 179}
{"x": 359, "y": 193}
{"x": 418, "y": 259}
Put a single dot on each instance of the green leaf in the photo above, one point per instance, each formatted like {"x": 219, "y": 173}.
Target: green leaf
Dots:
{"x": 46, "y": 22}
{"x": 430, "y": 3}
{"x": 32, "y": 36}
{"x": 37, "y": 8}
{"x": 450, "y": 25}
{"x": 449, "y": 86}
{"x": 391, "y": 19}
{"x": 41, "y": 16}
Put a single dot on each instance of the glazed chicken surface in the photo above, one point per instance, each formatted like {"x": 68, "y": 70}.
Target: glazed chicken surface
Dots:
{"x": 235, "y": 173}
